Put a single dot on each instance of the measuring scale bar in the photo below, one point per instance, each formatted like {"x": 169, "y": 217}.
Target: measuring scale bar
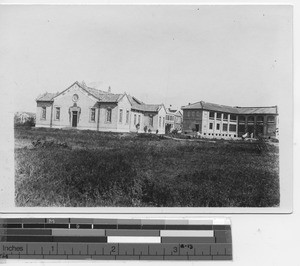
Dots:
{"x": 125, "y": 239}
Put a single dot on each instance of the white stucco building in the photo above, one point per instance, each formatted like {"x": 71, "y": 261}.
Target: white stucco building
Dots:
{"x": 82, "y": 107}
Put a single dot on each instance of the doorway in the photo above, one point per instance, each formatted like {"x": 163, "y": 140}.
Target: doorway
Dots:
{"x": 74, "y": 118}
{"x": 197, "y": 127}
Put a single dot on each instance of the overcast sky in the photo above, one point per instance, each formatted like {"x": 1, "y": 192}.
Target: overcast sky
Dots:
{"x": 231, "y": 55}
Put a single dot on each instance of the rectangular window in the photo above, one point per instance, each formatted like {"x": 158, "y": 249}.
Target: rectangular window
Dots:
{"x": 134, "y": 119}
{"x": 232, "y": 117}
{"x": 232, "y": 128}
{"x": 219, "y": 116}
{"x": 108, "y": 115}
{"x": 218, "y": 126}
{"x": 43, "y": 113}
{"x": 57, "y": 113}
{"x": 127, "y": 116}
{"x": 163, "y": 122}
{"x": 211, "y": 125}
{"x": 151, "y": 121}
{"x": 225, "y": 116}
{"x": 225, "y": 127}
{"x": 120, "y": 115}
{"x": 93, "y": 115}
{"x": 211, "y": 115}
{"x": 139, "y": 119}
{"x": 160, "y": 121}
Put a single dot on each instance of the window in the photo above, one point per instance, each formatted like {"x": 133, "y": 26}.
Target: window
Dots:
{"x": 251, "y": 119}
{"x": 188, "y": 113}
{"x": 225, "y": 126}
{"x": 218, "y": 126}
{"x": 127, "y": 116}
{"x": 219, "y": 116}
{"x": 211, "y": 125}
{"x": 43, "y": 113}
{"x": 134, "y": 119}
{"x": 193, "y": 114}
{"x": 151, "y": 121}
{"x": 241, "y": 119}
{"x": 271, "y": 119}
{"x": 232, "y": 128}
{"x": 120, "y": 115}
{"x": 160, "y": 121}
{"x": 211, "y": 115}
{"x": 225, "y": 116}
{"x": 108, "y": 115}
{"x": 232, "y": 117}
{"x": 260, "y": 119}
{"x": 57, "y": 113}
{"x": 139, "y": 119}
{"x": 163, "y": 122}
{"x": 93, "y": 115}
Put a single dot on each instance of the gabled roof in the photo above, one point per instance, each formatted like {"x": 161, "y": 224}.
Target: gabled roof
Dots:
{"x": 101, "y": 96}
{"x": 229, "y": 109}
{"x": 141, "y": 106}
{"x": 174, "y": 111}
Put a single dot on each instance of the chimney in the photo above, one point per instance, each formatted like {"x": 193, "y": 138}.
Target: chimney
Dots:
{"x": 109, "y": 89}
{"x": 189, "y": 103}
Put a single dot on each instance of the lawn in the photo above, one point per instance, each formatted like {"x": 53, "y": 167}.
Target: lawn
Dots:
{"x": 89, "y": 169}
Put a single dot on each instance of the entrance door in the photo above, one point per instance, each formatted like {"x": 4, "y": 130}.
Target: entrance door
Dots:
{"x": 197, "y": 127}
{"x": 74, "y": 119}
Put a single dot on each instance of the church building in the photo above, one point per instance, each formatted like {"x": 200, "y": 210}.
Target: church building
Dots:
{"x": 82, "y": 107}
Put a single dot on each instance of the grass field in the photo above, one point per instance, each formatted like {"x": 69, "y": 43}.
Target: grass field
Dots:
{"x": 86, "y": 168}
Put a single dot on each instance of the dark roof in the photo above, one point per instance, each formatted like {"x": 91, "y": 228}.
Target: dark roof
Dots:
{"x": 109, "y": 97}
{"x": 134, "y": 100}
{"x": 140, "y": 106}
{"x": 230, "y": 109}
{"x": 46, "y": 97}
{"x": 102, "y": 96}
{"x": 257, "y": 110}
{"x": 147, "y": 107}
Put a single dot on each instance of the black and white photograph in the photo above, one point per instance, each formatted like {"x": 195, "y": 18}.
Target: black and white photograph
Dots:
{"x": 149, "y": 105}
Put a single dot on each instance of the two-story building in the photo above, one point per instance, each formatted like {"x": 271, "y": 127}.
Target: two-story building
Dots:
{"x": 82, "y": 107}
{"x": 220, "y": 121}
{"x": 173, "y": 120}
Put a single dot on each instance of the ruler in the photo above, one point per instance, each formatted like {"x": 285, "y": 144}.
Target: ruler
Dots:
{"x": 115, "y": 239}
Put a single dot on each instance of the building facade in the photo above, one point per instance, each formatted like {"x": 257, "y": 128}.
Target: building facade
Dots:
{"x": 173, "y": 120}
{"x": 82, "y": 107}
{"x": 220, "y": 121}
